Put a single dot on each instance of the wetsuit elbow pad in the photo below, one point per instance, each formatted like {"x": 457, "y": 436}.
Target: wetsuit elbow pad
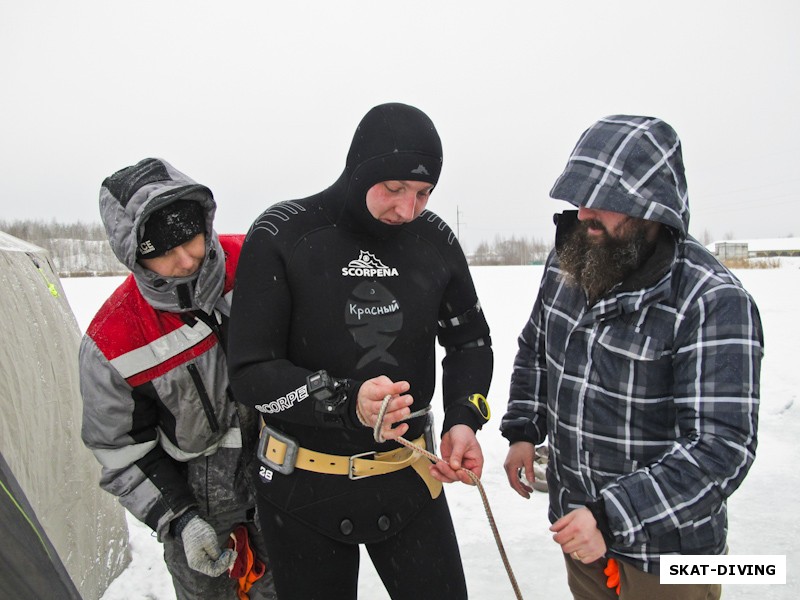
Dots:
{"x": 465, "y": 331}
{"x": 469, "y": 345}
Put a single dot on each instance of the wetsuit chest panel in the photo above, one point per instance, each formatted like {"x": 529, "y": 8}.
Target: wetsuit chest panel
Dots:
{"x": 378, "y": 301}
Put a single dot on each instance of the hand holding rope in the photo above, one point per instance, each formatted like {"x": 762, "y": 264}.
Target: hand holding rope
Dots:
{"x": 376, "y": 433}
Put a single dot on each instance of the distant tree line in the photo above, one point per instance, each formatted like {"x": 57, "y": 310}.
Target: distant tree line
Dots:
{"x": 81, "y": 249}
{"x": 513, "y": 251}
{"x": 77, "y": 249}
{"x": 36, "y": 231}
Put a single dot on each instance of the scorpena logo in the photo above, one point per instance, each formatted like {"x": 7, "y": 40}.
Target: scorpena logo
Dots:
{"x": 284, "y": 402}
{"x": 367, "y": 265}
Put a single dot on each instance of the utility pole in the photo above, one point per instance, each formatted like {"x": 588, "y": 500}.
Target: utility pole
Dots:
{"x": 458, "y": 223}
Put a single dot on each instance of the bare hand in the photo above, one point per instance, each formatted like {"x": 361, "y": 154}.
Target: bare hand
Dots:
{"x": 369, "y": 401}
{"x": 520, "y": 456}
{"x": 578, "y": 536}
{"x": 460, "y": 450}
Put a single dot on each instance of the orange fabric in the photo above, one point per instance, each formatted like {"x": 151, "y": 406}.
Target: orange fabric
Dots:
{"x": 612, "y": 573}
{"x": 248, "y": 568}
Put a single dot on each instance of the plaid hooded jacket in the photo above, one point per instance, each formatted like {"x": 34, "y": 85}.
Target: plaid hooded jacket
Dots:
{"x": 649, "y": 398}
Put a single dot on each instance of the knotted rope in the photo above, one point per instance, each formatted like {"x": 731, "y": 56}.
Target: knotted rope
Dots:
{"x": 376, "y": 433}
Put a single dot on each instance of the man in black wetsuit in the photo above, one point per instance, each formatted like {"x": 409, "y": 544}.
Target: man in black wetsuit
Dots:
{"x": 338, "y": 303}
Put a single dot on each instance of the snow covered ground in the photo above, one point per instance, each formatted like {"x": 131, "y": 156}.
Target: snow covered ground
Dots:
{"x": 763, "y": 512}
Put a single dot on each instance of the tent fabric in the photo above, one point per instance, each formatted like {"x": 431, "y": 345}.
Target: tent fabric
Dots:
{"x": 31, "y": 565}
{"x": 40, "y": 417}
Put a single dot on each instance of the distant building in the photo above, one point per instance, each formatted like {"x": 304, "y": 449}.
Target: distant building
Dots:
{"x": 741, "y": 249}
{"x": 732, "y": 250}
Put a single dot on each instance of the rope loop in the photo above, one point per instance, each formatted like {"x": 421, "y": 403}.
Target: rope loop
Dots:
{"x": 376, "y": 433}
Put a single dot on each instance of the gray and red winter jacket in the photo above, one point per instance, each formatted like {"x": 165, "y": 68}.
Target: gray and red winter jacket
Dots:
{"x": 152, "y": 363}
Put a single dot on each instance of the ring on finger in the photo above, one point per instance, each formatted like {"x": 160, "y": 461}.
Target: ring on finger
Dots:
{"x": 576, "y": 556}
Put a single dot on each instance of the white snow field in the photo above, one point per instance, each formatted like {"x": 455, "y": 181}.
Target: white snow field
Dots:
{"x": 763, "y": 512}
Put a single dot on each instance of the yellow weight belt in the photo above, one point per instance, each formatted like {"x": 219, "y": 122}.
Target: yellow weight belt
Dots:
{"x": 357, "y": 466}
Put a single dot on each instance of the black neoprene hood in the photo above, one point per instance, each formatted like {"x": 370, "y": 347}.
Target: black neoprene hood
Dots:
{"x": 392, "y": 142}
{"x": 395, "y": 141}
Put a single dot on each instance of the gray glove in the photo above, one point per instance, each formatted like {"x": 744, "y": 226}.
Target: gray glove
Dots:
{"x": 203, "y": 553}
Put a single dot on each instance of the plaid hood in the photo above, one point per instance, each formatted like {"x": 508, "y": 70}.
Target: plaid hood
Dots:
{"x": 630, "y": 165}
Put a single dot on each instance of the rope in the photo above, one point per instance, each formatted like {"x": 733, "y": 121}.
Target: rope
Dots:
{"x": 376, "y": 433}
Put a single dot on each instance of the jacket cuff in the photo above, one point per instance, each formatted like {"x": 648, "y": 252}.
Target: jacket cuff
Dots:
{"x": 176, "y": 525}
{"x": 516, "y": 435}
{"x": 598, "y": 510}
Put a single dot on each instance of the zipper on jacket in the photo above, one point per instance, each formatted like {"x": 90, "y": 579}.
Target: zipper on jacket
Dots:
{"x": 214, "y": 322}
{"x": 204, "y": 399}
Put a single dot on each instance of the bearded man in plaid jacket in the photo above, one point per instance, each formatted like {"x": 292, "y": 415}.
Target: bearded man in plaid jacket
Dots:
{"x": 640, "y": 366}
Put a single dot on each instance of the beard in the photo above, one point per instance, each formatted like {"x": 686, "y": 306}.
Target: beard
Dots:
{"x": 598, "y": 264}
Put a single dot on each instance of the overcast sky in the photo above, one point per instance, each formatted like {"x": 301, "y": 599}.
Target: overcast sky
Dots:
{"x": 259, "y": 100}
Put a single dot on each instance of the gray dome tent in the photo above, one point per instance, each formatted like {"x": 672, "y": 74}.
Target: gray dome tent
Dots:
{"x": 63, "y": 537}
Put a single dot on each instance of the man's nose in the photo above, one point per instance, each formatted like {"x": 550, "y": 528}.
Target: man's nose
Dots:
{"x": 585, "y": 214}
{"x": 185, "y": 258}
{"x": 407, "y": 206}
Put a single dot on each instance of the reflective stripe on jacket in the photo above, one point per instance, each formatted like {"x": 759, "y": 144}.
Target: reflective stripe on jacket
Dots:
{"x": 155, "y": 390}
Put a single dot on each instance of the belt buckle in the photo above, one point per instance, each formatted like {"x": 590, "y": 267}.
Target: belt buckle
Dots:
{"x": 287, "y": 467}
{"x": 351, "y": 467}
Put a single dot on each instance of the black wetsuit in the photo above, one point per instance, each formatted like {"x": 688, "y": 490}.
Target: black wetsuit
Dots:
{"x": 323, "y": 285}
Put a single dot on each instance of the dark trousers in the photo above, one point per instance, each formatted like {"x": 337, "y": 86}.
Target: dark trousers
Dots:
{"x": 421, "y": 561}
{"x": 191, "y": 585}
{"x": 588, "y": 582}
{"x": 224, "y": 500}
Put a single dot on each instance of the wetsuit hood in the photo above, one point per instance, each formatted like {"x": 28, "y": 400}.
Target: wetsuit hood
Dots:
{"x": 392, "y": 142}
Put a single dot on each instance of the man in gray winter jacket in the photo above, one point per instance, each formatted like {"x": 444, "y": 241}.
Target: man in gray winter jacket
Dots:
{"x": 640, "y": 365}
{"x": 158, "y": 415}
